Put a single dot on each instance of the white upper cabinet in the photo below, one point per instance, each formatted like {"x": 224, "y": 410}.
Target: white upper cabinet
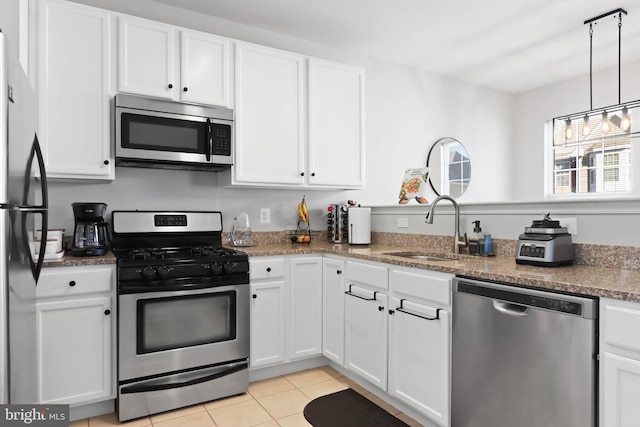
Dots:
{"x": 74, "y": 87}
{"x": 336, "y": 124}
{"x": 163, "y": 61}
{"x": 269, "y": 100}
{"x": 204, "y": 68}
{"x": 299, "y": 121}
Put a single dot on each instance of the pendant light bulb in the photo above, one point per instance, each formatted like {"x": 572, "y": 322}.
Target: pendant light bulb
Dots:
{"x": 586, "y": 129}
{"x": 568, "y": 130}
{"x": 625, "y": 124}
{"x": 606, "y": 125}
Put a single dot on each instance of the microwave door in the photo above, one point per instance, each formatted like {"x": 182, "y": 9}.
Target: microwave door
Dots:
{"x": 161, "y": 137}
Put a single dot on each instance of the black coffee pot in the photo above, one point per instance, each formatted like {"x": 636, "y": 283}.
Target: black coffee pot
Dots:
{"x": 91, "y": 232}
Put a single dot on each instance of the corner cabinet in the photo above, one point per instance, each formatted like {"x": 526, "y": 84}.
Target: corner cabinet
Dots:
{"x": 336, "y": 124}
{"x": 333, "y": 309}
{"x": 163, "y": 61}
{"x": 75, "y": 51}
{"x": 305, "y": 291}
{"x": 75, "y": 312}
{"x": 299, "y": 121}
{"x": 619, "y": 363}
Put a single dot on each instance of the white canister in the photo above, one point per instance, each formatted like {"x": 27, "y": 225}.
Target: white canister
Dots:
{"x": 359, "y": 225}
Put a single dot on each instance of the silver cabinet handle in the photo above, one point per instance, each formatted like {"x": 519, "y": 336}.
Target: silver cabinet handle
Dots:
{"x": 511, "y": 309}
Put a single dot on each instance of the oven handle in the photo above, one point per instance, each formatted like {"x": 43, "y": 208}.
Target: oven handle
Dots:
{"x": 145, "y": 387}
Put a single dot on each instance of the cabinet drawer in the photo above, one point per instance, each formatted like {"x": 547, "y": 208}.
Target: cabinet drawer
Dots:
{"x": 64, "y": 281}
{"x": 433, "y": 286}
{"x": 367, "y": 274}
{"x": 621, "y": 325}
{"x": 270, "y": 268}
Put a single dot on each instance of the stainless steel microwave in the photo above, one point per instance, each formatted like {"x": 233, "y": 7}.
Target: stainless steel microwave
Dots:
{"x": 154, "y": 133}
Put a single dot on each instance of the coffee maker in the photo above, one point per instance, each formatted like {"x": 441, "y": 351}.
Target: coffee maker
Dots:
{"x": 91, "y": 232}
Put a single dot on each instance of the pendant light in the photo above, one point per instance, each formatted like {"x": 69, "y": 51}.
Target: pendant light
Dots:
{"x": 621, "y": 120}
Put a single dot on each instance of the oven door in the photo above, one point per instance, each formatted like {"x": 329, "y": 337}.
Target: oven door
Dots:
{"x": 167, "y": 137}
{"x": 165, "y": 332}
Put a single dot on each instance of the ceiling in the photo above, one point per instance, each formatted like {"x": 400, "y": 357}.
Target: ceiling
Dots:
{"x": 512, "y": 46}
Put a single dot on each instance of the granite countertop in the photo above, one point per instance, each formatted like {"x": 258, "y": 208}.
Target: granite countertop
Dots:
{"x": 614, "y": 283}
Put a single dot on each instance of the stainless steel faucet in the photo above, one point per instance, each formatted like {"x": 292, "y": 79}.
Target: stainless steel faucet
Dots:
{"x": 457, "y": 241}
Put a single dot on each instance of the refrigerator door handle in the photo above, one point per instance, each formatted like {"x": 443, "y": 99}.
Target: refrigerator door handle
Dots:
{"x": 36, "y": 267}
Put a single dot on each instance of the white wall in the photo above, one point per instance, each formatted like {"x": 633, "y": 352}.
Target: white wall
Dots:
{"x": 406, "y": 111}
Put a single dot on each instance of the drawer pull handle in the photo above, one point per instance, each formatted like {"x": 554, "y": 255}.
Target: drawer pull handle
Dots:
{"x": 268, "y": 269}
{"x": 358, "y": 296}
{"x": 380, "y": 308}
{"x": 254, "y": 296}
{"x": 401, "y": 309}
{"x": 339, "y": 272}
{"x": 72, "y": 283}
{"x": 107, "y": 312}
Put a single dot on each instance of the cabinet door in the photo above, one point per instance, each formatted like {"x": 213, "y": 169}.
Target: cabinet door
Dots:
{"x": 74, "y": 350}
{"x": 621, "y": 391}
{"x": 305, "y": 289}
{"x": 74, "y": 89}
{"x": 269, "y": 116}
{"x": 333, "y": 310}
{"x": 268, "y": 345}
{"x": 366, "y": 335}
{"x": 336, "y": 131}
{"x": 146, "y": 56}
{"x": 204, "y": 68}
{"x": 419, "y": 358}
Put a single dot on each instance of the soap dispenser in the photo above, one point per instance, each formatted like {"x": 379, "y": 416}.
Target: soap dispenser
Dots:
{"x": 477, "y": 240}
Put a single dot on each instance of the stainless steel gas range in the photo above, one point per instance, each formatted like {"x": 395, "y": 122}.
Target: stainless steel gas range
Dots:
{"x": 183, "y": 304}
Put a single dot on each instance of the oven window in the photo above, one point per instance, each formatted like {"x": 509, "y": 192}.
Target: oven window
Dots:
{"x": 185, "y": 321}
{"x": 163, "y": 134}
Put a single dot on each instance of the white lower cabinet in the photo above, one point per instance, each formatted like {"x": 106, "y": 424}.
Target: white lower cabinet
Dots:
{"x": 268, "y": 311}
{"x": 419, "y": 357}
{"x": 305, "y": 293}
{"x": 619, "y": 363}
{"x": 333, "y": 309}
{"x": 76, "y": 348}
{"x": 366, "y": 321}
{"x": 366, "y": 334}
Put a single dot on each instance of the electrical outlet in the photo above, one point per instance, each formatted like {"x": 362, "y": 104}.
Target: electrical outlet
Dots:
{"x": 403, "y": 222}
{"x": 265, "y": 216}
{"x": 571, "y": 224}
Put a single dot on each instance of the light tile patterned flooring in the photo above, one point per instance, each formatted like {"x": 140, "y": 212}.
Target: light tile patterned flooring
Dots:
{"x": 275, "y": 402}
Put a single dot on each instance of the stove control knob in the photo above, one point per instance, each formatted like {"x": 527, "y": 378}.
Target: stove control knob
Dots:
{"x": 163, "y": 271}
{"x": 148, "y": 273}
{"x": 216, "y": 268}
{"x": 230, "y": 267}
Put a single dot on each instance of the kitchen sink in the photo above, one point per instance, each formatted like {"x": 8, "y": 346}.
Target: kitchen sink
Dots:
{"x": 425, "y": 256}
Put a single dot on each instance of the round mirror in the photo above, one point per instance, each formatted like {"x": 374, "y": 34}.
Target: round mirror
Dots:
{"x": 449, "y": 167}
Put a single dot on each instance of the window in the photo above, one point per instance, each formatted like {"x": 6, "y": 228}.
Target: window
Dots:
{"x": 591, "y": 162}
{"x": 456, "y": 168}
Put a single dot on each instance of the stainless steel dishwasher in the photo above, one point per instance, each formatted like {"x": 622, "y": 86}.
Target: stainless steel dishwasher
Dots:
{"x": 522, "y": 357}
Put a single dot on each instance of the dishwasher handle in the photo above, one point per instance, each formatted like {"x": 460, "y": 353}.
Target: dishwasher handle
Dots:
{"x": 511, "y": 309}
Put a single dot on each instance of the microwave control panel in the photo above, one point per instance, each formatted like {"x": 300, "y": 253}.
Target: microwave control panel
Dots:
{"x": 221, "y": 140}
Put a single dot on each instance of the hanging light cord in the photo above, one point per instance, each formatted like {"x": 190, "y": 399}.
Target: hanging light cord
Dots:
{"x": 619, "y": 52}
{"x": 591, "y": 66}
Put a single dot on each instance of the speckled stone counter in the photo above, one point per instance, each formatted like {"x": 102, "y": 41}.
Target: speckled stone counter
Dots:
{"x": 596, "y": 280}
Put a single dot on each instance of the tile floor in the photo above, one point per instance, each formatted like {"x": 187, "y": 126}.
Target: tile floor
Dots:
{"x": 275, "y": 402}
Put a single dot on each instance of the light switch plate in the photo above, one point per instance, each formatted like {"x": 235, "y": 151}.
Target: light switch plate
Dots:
{"x": 403, "y": 222}
{"x": 571, "y": 224}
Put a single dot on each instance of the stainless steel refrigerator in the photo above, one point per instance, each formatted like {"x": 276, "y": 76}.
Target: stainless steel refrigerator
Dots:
{"x": 23, "y": 207}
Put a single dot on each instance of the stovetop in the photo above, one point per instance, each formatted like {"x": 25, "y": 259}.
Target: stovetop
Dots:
{"x": 143, "y": 256}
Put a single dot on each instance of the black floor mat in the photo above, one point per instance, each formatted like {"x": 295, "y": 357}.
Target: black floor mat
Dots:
{"x": 348, "y": 408}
